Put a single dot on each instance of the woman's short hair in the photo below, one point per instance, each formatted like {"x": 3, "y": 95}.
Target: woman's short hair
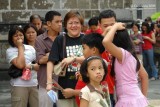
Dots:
{"x": 71, "y": 14}
{"x": 12, "y": 32}
{"x": 84, "y": 68}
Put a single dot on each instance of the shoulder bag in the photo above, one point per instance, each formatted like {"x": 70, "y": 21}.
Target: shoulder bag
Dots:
{"x": 58, "y": 68}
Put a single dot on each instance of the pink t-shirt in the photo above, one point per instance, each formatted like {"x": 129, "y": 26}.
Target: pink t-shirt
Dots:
{"x": 127, "y": 90}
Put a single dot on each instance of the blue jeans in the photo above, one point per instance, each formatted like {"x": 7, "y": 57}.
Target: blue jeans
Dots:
{"x": 148, "y": 62}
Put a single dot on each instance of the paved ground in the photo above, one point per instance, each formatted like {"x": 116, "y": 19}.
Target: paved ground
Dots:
{"x": 153, "y": 93}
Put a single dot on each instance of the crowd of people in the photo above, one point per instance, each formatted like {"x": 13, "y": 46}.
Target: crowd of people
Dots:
{"x": 104, "y": 63}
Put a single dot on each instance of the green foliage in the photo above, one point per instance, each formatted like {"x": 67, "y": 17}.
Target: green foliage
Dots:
{"x": 155, "y": 16}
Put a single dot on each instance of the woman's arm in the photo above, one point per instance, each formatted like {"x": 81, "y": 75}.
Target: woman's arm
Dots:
{"x": 107, "y": 41}
{"x": 152, "y": 39}
{"x": 19, "y": 61}
{"x": 143, "y": 76}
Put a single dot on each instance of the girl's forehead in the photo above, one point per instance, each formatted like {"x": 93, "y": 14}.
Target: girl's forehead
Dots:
{"x": 94, "y": 61}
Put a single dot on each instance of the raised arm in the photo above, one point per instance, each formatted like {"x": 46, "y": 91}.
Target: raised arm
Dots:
{"x": 107, "y": 41}
{"x": 19, "y": 61}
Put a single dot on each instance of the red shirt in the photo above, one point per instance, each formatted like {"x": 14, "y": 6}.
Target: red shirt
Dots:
{"x": 147, "y": 44}
{"x": 99, "y": 30}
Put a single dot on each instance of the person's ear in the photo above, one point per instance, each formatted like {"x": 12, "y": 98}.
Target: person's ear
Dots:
{"x": 94, "y": 50}
{"x": 48, "y": 23}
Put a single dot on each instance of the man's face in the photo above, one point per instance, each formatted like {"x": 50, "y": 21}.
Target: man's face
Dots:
{"x": 106, "y": 22}
{"x": 56, "y": 24}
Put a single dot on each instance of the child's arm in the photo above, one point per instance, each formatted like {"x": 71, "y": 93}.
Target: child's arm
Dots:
{"x": 144, "y": 80}
{"x": 83, "y": 103}
{"x": 107, "y": 41}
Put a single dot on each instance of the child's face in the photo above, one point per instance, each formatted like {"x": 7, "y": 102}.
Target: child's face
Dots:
{"x": 95, "y": 71}
{"x": 87, "y": 52}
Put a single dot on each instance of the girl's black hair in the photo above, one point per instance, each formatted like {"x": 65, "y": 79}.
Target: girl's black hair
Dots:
{"x": 12, "y": 32}
{"x": 147, "y": 26}
{"x": 123, "y": 40}
{"x": 84, "y": 66}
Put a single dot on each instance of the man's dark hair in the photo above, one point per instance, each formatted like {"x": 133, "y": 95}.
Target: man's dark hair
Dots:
{"x": 107, "y": 14}
{"x": 50, "y": 15}
{"x": 93, "y": 21}
{"x": 94, "y": 40}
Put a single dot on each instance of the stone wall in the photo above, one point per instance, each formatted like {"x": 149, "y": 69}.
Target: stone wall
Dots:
{"x": 20, "y": 10}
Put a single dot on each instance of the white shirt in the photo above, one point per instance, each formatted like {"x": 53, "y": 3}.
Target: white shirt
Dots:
{"x": 30, "y": 55}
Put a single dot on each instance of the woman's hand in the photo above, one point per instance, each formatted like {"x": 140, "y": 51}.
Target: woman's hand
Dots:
{"x": 49, "y": 87}
{"x": 19, "y": 42}
{"x": 68, "y": 92}
{"x": 67, "y": 61}
{"x": 119, "y": 26}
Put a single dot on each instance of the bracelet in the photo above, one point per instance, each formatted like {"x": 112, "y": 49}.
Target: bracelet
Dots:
{"x": 32, "y": 67}
{"x": 49, "y": 83}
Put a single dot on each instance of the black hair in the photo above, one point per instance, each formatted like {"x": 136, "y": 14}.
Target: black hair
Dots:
{"x": 147, "y": 26}
{"x": 93, "y": 21}
{"x": 94, "y": 40}
{"x": 85, "y": 64}
{"x": 136, "y": 24}
{"x": 34, "y": 16}
{"x": 123, "y": 40}
{"x": 12, "y": 32}
{"x": 107, "y": 14}
{"x": 26, "y": 28}
{"x": 50, "y": 15}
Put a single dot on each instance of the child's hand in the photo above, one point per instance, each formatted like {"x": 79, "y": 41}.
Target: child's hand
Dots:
{"x": 119, "y": 26}
{"x": 106, "y": 30}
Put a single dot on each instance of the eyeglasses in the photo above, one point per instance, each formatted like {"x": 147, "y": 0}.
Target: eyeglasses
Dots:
{"x": 73, "y": 23}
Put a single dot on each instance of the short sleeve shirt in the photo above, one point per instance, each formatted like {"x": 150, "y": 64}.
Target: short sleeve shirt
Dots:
{"x": 73, "y": 47}
{"x": 94, "y": 98}
{"x": 30, "y": 56}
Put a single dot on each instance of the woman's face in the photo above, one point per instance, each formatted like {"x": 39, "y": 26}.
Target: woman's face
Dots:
{"x": 74, "y": 27}
{"x": 144, "y": 28}
{"x": 38, "y": 23}
{"x": 31, "y": 34}
{"x": 135, "y": 28}
{"x": 18, "y": 36}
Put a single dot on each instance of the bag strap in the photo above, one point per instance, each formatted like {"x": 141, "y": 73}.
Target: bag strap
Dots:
{"x": 64, "y": 46}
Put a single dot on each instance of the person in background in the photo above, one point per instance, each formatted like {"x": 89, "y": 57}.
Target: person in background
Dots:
{"x": 36, "y": 20}
{"x": 43, "y": 46}
{"x": 94, "y": 94}
{"x": 73, "y": 23}
{"x": 148, "y": 59}
{"x": 151, "y": 24}
{"x": 23, "y": 92}
{"x": 156, "y": 46}
{"x": 137, "y": 40}
{"x": 30, "y": 32}
{"x": 93, "y": 26}
{"x": 125, "y": 67}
